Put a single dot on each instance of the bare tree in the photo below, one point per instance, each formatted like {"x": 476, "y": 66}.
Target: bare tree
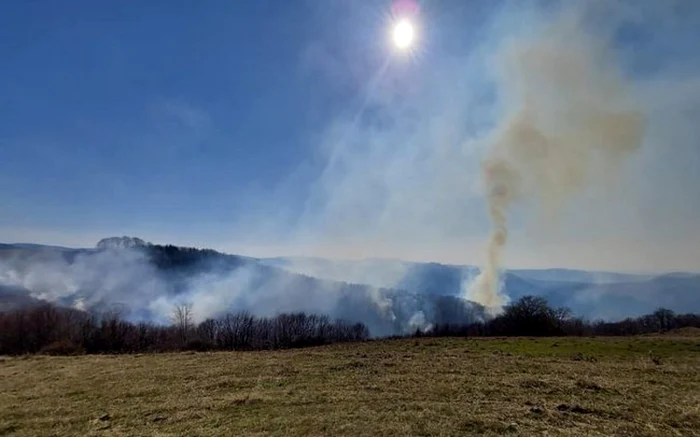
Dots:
{"x": 182, "y": 319}
{"x": 208, "y": 331}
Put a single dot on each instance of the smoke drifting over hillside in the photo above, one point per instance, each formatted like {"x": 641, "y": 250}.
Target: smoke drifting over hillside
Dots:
{"x": 148, "y": 282}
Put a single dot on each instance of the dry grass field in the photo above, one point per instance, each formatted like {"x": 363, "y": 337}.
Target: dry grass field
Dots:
{"x": 643, "y": 386}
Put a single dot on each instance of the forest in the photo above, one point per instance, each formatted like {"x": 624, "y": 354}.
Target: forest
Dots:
{"x": 48, "y": 329}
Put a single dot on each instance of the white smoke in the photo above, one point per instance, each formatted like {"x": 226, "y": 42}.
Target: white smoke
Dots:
{"x": 126, "y": 280}
{"x": 419, "y": 322}
{"x": 100, "y": 278}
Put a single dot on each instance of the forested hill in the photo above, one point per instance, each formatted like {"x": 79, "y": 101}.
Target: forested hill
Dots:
{"x": 389, "y": 296}
{"x": 147, "y": 280}
{"x": 174, "y": 257}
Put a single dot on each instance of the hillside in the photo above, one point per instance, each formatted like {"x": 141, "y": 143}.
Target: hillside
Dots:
{"x": 145, "y": 281}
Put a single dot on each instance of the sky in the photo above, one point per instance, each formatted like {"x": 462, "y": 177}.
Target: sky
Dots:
{"x": 296, "y": 128}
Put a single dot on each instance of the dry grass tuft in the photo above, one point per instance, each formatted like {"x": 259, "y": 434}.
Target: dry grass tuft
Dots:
{"x": 588, "y": 385}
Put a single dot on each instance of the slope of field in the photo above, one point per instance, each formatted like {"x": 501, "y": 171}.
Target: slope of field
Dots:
{"x": 635, "y": 386}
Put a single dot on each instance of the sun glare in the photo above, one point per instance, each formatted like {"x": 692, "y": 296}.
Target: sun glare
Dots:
{"x": 403, "y": 34}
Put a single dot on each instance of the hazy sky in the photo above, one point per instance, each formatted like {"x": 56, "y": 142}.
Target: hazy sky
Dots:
{"x": 295, "y": 128}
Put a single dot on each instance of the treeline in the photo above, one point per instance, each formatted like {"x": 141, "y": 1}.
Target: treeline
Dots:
{"x": 50, "y": 329}
{"x": 532, "y": 316}
{"x": 56, "y": 330}
{"x": 175, "y": 257}
{"x": 172, "y": 257}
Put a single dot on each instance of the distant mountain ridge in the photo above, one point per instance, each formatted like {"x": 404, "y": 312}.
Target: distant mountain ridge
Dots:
{"x": 605, "y": 295}
{"x": 390, "y": 296}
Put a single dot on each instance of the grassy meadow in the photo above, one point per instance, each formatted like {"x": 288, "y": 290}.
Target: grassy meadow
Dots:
{"x": 636, "y": 386}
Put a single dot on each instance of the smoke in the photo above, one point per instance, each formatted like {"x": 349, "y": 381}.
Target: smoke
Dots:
{"x": 419, "y": 322}
{"x": 122, "y": 280}
{"x": 541, "y": 99}
{"x": 570, "y": 120}
{"x": 128, "y": 280}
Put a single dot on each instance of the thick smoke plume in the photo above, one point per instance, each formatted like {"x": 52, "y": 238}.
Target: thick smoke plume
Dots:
{"x": 569, "y": 119}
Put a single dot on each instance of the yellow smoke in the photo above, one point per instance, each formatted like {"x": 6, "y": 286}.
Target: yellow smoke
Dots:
{"x": 569, "y": 116}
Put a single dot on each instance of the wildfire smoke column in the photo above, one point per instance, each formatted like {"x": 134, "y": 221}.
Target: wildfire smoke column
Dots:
{"x": 570, "y": 119}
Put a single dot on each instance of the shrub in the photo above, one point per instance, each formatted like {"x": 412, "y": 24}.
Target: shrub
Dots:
{"x": 198, "y": 345}
{"x": 62, "y": 347}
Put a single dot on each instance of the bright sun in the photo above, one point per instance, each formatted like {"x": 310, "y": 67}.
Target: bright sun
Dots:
{"x": 403, "y": 34}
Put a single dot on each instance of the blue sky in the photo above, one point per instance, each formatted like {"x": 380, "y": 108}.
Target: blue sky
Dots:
{"x": 168, "y": 111}
{"x": 139, "y": 111}
{"x": 293, "y": 127}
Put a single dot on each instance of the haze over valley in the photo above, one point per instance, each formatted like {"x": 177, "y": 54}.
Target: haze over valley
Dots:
{"x": 144, "y": 282}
